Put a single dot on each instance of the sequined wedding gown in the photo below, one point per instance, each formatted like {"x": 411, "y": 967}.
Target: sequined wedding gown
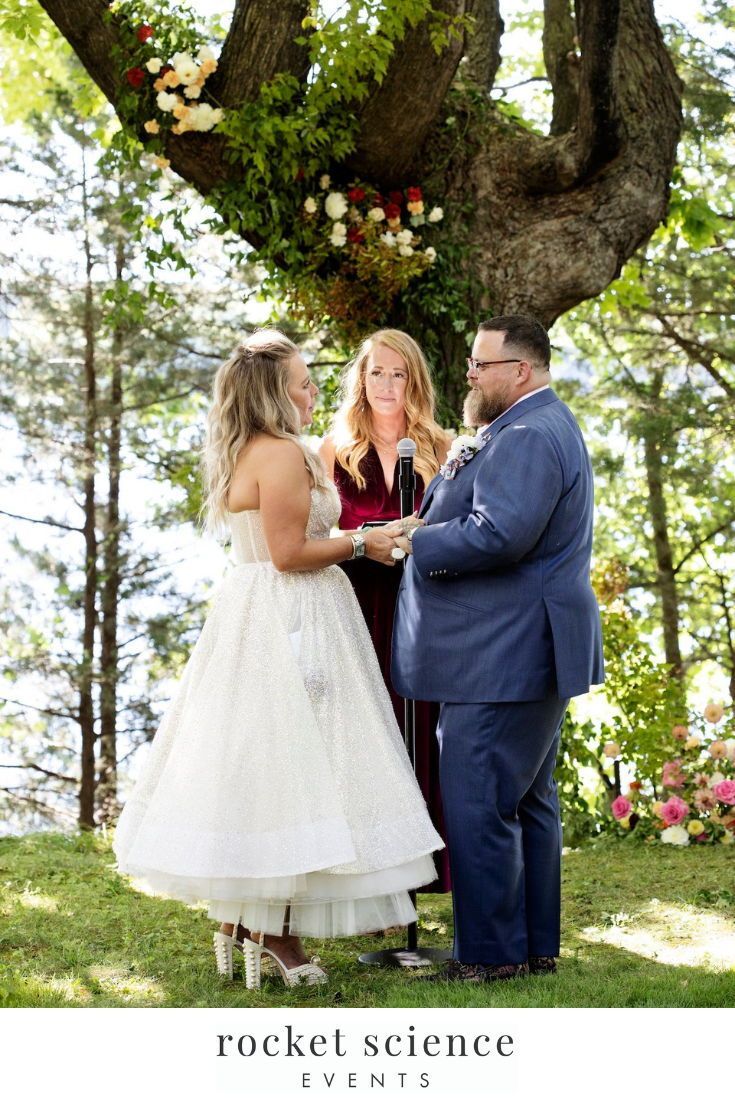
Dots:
{"x": 278, "y": 776}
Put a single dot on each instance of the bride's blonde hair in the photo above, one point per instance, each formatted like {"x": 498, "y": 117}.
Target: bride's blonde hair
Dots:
{"x": 250, "y": 395}
{"x": 353, "y": 422}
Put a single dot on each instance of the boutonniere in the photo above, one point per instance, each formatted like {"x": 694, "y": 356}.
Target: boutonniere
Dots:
{"x": 462, "y": 450}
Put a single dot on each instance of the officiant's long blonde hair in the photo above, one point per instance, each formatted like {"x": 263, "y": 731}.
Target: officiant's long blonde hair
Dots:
{"x": 353, "y": 426}
{"x": 250, "y": 395}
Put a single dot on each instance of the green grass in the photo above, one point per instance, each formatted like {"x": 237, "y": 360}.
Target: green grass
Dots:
{"x": 642, "y": 927}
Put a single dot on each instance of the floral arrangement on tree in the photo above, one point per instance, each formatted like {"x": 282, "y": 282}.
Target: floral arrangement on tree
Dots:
{"x": 342, "y": 253}
{"x": 363, "y": 248}
{"x": 694, "y": 800}
{"x": 168, "y": 84}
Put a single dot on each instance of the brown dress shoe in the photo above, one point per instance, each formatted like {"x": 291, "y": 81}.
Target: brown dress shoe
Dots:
{"x": 540, "y": 965}
{"x": 456, "y": 972}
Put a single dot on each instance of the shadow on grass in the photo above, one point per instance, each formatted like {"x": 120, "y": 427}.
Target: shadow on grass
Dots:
{"x": 642, "y": 927}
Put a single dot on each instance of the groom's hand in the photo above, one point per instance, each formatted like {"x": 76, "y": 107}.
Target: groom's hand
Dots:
{"x": 404, "y": 544}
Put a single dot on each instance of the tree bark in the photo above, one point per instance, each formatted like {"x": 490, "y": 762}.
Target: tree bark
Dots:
{"x": 552, "y": 218}
{"x": 108, "y": 807}
{"x": 666, "y": 574}
{"x": 86, "y": 672}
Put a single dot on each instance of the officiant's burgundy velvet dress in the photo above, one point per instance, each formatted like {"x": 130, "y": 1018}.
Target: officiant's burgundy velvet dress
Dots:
{"x": 376, "y": 588}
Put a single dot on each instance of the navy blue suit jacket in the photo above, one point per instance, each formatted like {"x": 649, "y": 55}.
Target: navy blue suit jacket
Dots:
{"x": 495, "y": 602}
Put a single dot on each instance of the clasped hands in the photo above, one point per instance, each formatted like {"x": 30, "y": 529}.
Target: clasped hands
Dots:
{"x": 399, "y": 530}
{"x": 387, "y": 543}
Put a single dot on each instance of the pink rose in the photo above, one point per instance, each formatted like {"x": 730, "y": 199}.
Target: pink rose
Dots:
{"x": 673, "y": 775}
{"x": 725, "y": 791}
{"x": 674, "y": 810}
{"x": 621, "y": 807}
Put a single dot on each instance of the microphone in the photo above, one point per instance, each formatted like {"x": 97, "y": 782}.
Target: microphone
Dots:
{"x": 406, "y": 476}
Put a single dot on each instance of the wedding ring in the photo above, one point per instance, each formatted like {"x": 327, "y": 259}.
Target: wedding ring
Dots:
{"x": 398, "y": 553}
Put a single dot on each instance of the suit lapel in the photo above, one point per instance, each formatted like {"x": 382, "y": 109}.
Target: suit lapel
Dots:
{"x": 429, "y": 493}
{"x": 507, "y": 418}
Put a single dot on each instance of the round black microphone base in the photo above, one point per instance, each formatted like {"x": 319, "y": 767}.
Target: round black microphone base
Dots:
{"x": 406, "y": 958}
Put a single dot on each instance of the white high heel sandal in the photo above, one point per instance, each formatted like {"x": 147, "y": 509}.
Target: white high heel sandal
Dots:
{"x": 223, "y": 952}
{"x": 253, "y": 952}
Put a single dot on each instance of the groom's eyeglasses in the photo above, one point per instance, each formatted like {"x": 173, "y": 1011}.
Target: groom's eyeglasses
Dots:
{"x": 480, "y": 365}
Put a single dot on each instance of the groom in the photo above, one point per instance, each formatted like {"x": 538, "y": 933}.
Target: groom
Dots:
{"x": 496, "y": 619}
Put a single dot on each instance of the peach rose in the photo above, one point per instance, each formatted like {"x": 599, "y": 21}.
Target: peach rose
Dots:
{"x": 718, "y": 750}
{"x": 679, "y": 731}
{"x": 611, "y": 750}
{"x": 713, "y": 713}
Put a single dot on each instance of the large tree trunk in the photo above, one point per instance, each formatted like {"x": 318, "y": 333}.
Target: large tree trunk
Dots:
{"x": 551, "y": 218}
{"x": 107, "y": 802}
{"x": 86, "y": 672}
{"x": 666, "y": 574}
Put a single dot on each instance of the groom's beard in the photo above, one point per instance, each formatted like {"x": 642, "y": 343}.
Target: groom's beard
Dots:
{"x": 479, "y": 409}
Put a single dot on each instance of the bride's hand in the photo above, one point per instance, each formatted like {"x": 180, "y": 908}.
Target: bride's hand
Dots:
{"x": 379, "y": 545}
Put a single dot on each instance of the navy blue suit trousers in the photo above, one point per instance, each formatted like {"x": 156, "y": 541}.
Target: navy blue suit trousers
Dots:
{"x": 503, "y": 828}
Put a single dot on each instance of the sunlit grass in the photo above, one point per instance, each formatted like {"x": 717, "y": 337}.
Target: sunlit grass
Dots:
{"x": 641, "y": 927}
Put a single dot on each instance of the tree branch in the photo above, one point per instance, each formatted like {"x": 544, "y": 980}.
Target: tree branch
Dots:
{"x": 482, "y": 47}
{"x": 411, "y": 97}
{"x": 43, "y": 711}
{"x": 40, "y": 769}
{"x": 700, "y": 543}
{"x": 45, "y": 520}
{"x": 700, "y": 353}
{"x": 260, "y": 44}
{"x": 562, "y": 63}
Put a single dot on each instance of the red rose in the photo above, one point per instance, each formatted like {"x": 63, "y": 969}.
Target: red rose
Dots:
{"x": 299, "y": 174}
{"x": 355, "y": 194}
{"x": 635, "y": 785}
{"x": 392, "y": 210}
{"x": 144, "y": 32}
{"x": 414, "y": 194}
{"x": 378, "y": 200}
{"x": 354, "y": 235}
{"x": 135, "y": 77}
{"x": 396, "y": 197}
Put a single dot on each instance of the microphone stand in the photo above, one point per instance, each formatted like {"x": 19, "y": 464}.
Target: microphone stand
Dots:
{"x": 412, "y": 956}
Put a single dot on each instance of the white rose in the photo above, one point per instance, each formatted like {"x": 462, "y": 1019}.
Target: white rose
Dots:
{"x": 202, "y": 116}
{"x": 716, "y": 778}
{"x": 675, "y": 836}
{"x": 194, "y": 91}
{"x": 338, "y": 236}
{"x": 376, "y": 214}
{"x": 310, "y": 205}
{"x": 186, "y": 68}
{"x": 431, "y": 253}
{"x": 335, "y": 205}
{"x": 154, "y": 65}
{"x": 435, "y": 214}
{"x": 404, "y": 237}
{"x": 388, "y": 239}
{"x": 460, "y": 442}
{"x": 205, "y": 54}
{"x": 730, "y": 744}
{"x": 405, "y": 250}
{"x": 167, "y": 100}
{"x": 324, "y": 181}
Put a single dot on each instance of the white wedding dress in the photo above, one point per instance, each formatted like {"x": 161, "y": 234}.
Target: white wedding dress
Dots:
{"x": 278, "y": 776}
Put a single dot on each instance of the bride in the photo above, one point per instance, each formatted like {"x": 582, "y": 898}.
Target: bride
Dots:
{"x": 277, "y": 787}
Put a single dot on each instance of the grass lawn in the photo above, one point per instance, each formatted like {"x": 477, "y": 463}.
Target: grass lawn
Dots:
{"x": 641, "y": 927}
